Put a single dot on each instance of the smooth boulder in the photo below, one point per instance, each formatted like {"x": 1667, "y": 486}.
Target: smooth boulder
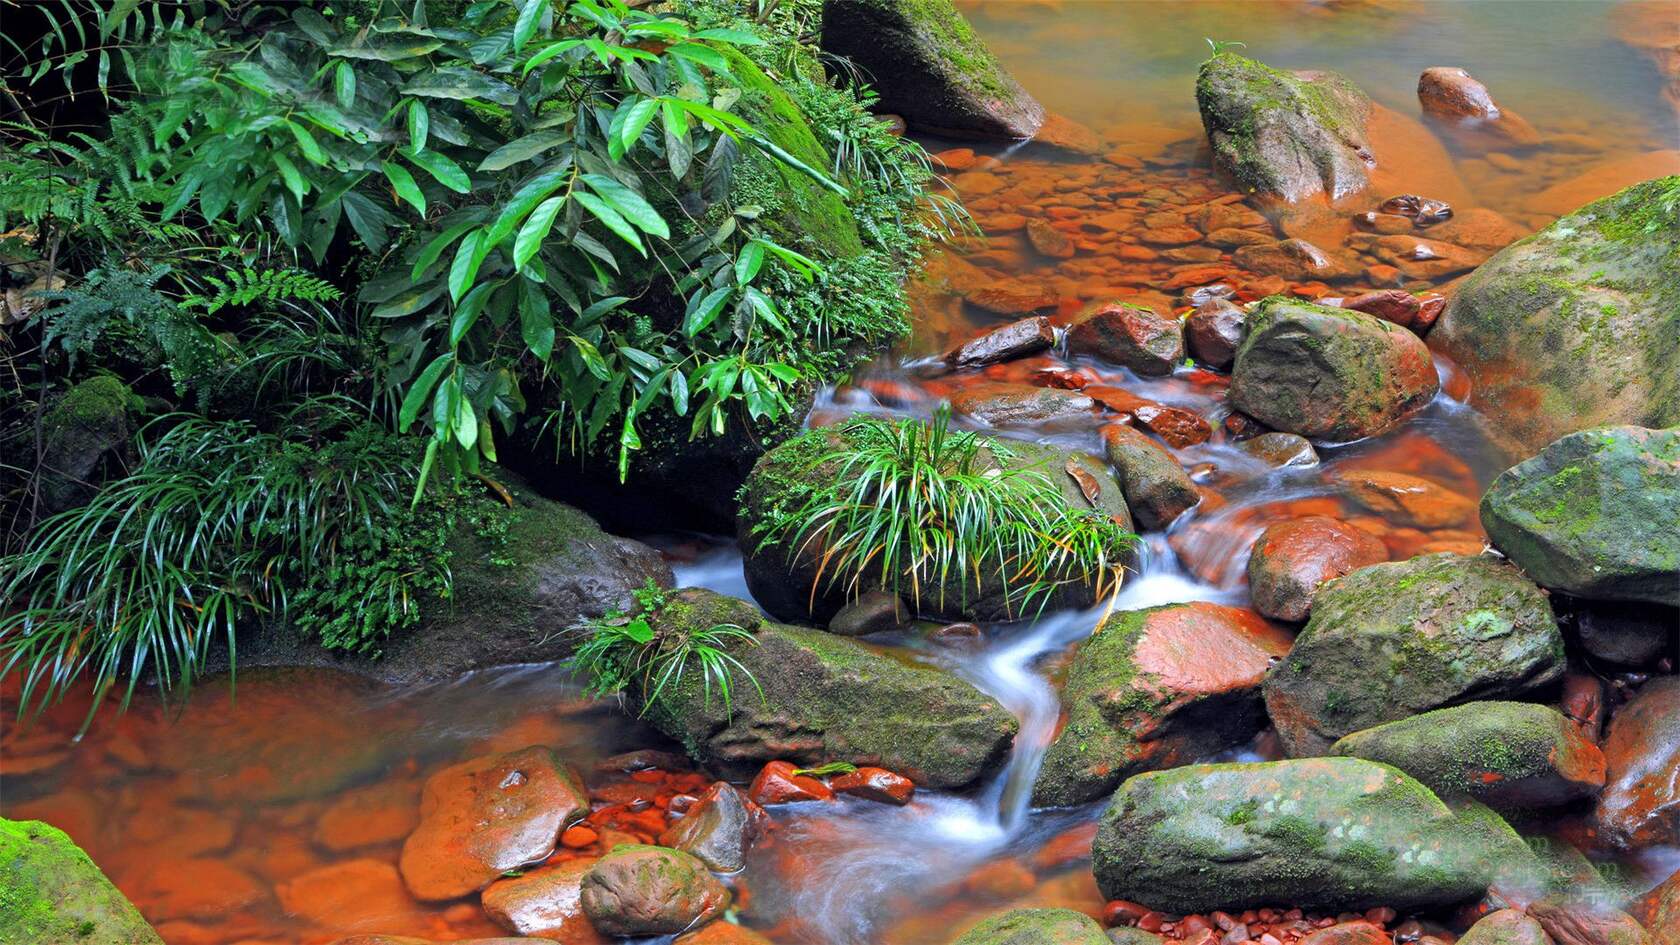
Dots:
{"x": 1574, "y": 327}
{"x": 1284, "y": 135}
{"x": 1327, "y": 372}
{"x": 51, "y": 892}
{"x": 1316, "y": 833}
{"x": 1640, "y": 806}
{"x": 1292, "y": 558}
{"x": 543, "y": 903}
{"x": 1134, "y": 337}
{"x": 929, "y": 67}
{"x": 641, "y": 890}
{"x": 1035, "y": 927}
{"x": 1511, "y": 756}
{"x": 1156, "y": 487}
{"x": 826, "y": 698}
{"x": 1393, "y": 640}
{"x": 1155, "y": 688}
{"x": 1505, "y": 927}
{"x": 1595, "y": 514}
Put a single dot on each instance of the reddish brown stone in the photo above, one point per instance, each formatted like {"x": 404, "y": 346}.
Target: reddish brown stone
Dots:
{"x": 1390, "y": 305}
{"x": 1291, "y": 559}
{"x": 383, "y": 813}
{"x": 1177, "y": 426}
{"x": 719, "y": 828}
{"x": 356, "y": 895}
{"x": 1583, "y": 704}
{"x": 875, "y": 784}
{"x": 1131, "y": 336}
{"x": 1213, "y": 331}
{"x": 1021, "y": 404}
{"x": 1011, "y": 299}
{"x": 1048, "y": 240}
{"x": 644, "y": 890}
{"x": 544, "y": 903}
{"x": 1006, "y": 342}
{"x": 1359, "y": 932}
{"x": 1406, "y": 500}
{"x": 483, "y": 817}
{"x": 1582, "y": 923}
{"x": 1117, "y": 399}
{"x": 1640, "y": 806}
{"x": 777, "y": 784}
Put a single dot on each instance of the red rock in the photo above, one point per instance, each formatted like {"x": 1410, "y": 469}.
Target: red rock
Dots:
{"x": 1117, "y": 399}
{"x": 1640, "y": 805}
{"x": 1170, "y": 235}
{"x": 1390, "y": 305}
{"x": 1382, "y": 274}
{"x": 1290, "y": 259}
{"x": 1000, "y": 880}
{"x": 719, "y": 828}
{"x": 362, "y": 895}
{"x": 875, "y": 784}
{"x": 191, "y": 889}
{"x": 1291, "y": 559}
{"x": 1583, "y": 704}
{"x": 1405, "y": 500}
{"x": 1222, "y": 216}
{"x": 1430, "y": 307}
{"x": 1584, "y": 923}
{"x": 723, "y": 933}
{"x": 954, "y": 159}
{"x": 544, "y": 903}
{"x": 1015, "y": 340}
{"x": 488, "y": 815}
{"x": 1122, "y": 912}
{"x": 1659, "y": 910}
{"x": 1454, "y": 98}
{"x": 1021, "y": 404}
{"x": 777, "y": 784}
{"x": 382, "y": 813}
{"x": 1213, "y": 332}
{"x": 577, "y": 837}
{"x": 1177, "y": 426}
{"x": 1010, "y": 299}
{"x": 1132, "y": 336}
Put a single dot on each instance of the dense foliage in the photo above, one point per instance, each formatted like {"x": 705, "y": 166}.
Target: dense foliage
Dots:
{"x": 302, "y": 227}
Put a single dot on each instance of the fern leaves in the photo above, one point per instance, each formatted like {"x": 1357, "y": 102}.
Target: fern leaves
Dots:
{"x": 268, "y": 286}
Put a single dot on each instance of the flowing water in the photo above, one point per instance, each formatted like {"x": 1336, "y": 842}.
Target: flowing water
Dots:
{"x": 218, "y": 817}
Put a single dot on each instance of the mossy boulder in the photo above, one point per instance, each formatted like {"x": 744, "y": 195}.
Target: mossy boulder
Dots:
{"x": 1506, "y": 927}
{"x": 929, "y": 67}
{"x": 1575, "y": 326}
{"x": 83, "y": 426}
{"x": 1329, "y": 373}
{"x": 638, "y": 890}
{"x": 1392, "y": 640}
{"x": 788, "y": 582}
{"x": 1035, "y": 927}
{"x": 52, "y": 894}
{"x": 1284, "y": 135}
{"x": 1512, "y": 756}
{"x": 1317, "y": 833}
{"x": 826, "y": 698}
{"x": 1596, "y": 514}
{"x": 1155, "y": 688}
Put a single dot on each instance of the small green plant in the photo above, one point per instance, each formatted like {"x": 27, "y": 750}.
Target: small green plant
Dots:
{"x": 823, "y": 771}
{"x": 913, "y": 507}
{"x": 1223, "y": 45}
{"x": 625, "y": 652}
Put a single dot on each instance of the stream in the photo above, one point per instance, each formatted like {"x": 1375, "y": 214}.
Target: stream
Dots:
{"x": 205, "y": 814}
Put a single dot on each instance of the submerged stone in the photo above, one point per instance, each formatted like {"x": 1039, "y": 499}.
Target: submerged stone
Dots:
{"x": 641, "y": 890}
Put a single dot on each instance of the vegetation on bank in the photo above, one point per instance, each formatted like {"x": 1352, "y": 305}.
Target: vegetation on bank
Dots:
{"x": 302, "y": 230}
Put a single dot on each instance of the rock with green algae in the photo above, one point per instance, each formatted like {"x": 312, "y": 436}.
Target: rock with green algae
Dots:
{"x": 1505, "y": 927}
{"x": 1284, "y": 135}
{"x": 815, "y": 698}
{"x": 1575, "y": 326}
{"x": 930, "y": 67}
{"x": 638, "y": 890}
{"x": 87, "y": 423}
{"x": 1596, "y": 514}
{"x": 1035, "y": 927}
{"x": 51, "y": 893}
{"x": 1392, "y": 640}
{"x": 1512, "y": 756}
{"x": 1318, "y": 833}
{"x": 1328, "y": 373}
{"x": 1155, "y": 688}
{"x": 782, "y": 576}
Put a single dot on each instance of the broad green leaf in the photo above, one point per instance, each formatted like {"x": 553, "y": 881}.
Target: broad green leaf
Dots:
{"x": 679, "y": 393}
{"x": 534, "y": 191}
{"x": 536, "y": 323}
{"x": 445, "y": 171}
{"x": 535, "y": 230}
{"x": 408, "y": 303}
{"x": 628, "y": 124}
{"x": 388, "y": 47}
{"x": 420, "y": 390}
{"x": 629, "y": 204}
{"x": 419, "y": 124}
{"x": 289, "y": 174}
{"x": 465, "y": 266}
{"x": 706, "y": 310}
{"x": 523, "y": 149}
{"x": 462, "y": 84}
{"x": 467, "y": 312}
{"x": 465, "y": 424}
{"x": 610, "y": 218}
{"x": 749, "y": 262}
{"x": 704, "y": 55}
{"x": 549, "y": 52}
{"x": 591, "y": 356}
{"x": 435, "y": 248}
{"x": 529, "y": 19}
{"x": 405, "y": 186}
{"x": 344, "y": 84}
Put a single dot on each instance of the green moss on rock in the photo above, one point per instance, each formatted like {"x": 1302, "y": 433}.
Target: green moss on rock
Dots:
{"x": 51, "y": 893}
{"x": 1035, "y": 927}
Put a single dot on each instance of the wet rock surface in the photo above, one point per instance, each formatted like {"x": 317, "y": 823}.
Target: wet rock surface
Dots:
{"x": 1213, "y": 331}
{"x": 646, "y": 890}
{"x": 1291, "y": 559}
{"x": 719, "y": 828}
{"x": 1640, "y": 806}
{"x": 544, "y": 903}
{"x": 1035, "y": 927}
{"x": 1157, "y": 488}
{"x": 1131, "y": 336}
{"x": 1156, "y": 688}
{"x": 1392, "y": 640}
{"x": 1506, "y": 927}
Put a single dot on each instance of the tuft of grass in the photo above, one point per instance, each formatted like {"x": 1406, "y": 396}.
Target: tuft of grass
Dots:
{"x": 911, "y": 507}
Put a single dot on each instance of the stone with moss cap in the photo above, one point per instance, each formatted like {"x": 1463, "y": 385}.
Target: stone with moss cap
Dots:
{"x": 1512, "y": 756}
{"x": 1575, "y": 326}
{"x": 1595, "y": 514}
{"x": 1035, "y": 927}
{"x": 1318, "y": 833}
{"x": 825, "y": 698}
{"x": 1328, "y": 372}
{"x": 638, "y": 890}
{"x": 51, "y": 893}
{"x": 1284, "y": 135}
{"x": 1392, "y": 640}
{"x": 930, "y": 67}
{"x": 1155, "y": 688}
{"x": 84, "y": 425}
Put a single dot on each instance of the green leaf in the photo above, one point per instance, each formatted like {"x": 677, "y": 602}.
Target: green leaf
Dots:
{"x": 462, "y": 84}
{"x": 629, "y": 204}
{"x": 523, "y": 149}
{"x": 465, "y": 267}
{"x": 610, "y": 218}
{"x": 419, "y": 124}
{"x": 523, "y": 201}
{"x": 704, "y": 55}
{"x": 405, "y": 186}
{"x": 591, "y": 356}
{"x": 466, "y": 424}
{"x": 749, "y": 262}
{"x": 344, "y": 84}
{"x": 435, "y": 248}
{"x": 536, "y": 323}
{"x": 289, "y": 174}
{"x": 529, "y": 19}
{"x": 306, "y": 143}
{"x": 628, "y": 125}
{"x": 442, "y": 169}
{"x": 549, "y": 52}
{"x": 468, "y": 311}
{"x": 388, "y": 47}
{"x": 706, "y": 310}
{"x": 535, "y": 230}
{"x": 420, "y": 390}
{"x": 679, "y": 393}
{"x": 738, "y": 37}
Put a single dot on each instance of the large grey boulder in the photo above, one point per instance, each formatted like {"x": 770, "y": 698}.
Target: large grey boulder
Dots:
{"x": 1317, "y": 833}
{"x": 1575, "y": 326}
{"x": 1595, "y": 514}
{"x": 814, "y": 698}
